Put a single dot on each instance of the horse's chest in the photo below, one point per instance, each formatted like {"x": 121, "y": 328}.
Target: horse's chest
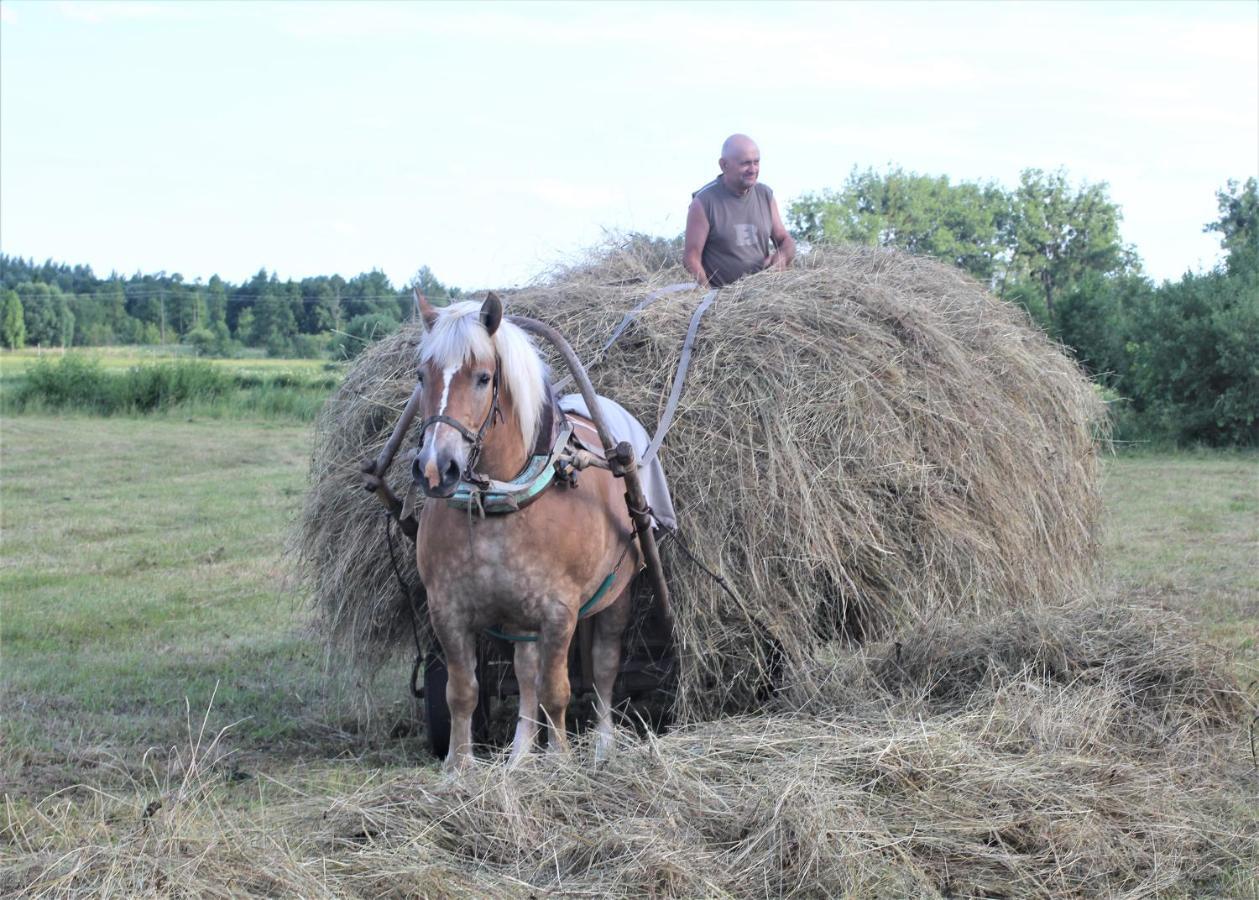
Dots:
{"x": 499, "y": 568}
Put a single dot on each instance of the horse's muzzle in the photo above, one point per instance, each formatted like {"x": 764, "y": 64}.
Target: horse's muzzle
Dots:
{"x": 445, "y": 488}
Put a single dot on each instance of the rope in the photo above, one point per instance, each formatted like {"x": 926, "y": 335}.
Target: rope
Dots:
{"x": 679, "y": 379}
{"x": 416, "y": 690}
{"x": 630, "y": 317}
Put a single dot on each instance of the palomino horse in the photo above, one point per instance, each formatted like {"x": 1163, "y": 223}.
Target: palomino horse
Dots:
{"x": 533, "y": 572}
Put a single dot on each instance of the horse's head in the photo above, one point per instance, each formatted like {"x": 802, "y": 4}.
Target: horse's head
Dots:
{"x": 476, "y": 370}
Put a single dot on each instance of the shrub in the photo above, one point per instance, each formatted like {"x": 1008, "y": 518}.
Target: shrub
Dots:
{"x": 148, "y": 388}
{"x": 68, "y": 381}
{"x": 1195, "y": 360}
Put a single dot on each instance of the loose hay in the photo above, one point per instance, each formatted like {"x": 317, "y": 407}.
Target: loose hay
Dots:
{"x": 1090, "y": 751}
{"x": 866, "y": 442}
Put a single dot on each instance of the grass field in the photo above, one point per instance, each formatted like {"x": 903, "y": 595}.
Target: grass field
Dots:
{"x": 15, "y": 362}
{"x": 142, "y": 582}
{"x": 164, "y": 381}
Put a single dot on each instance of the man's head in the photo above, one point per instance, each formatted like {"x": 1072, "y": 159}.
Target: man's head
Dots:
{"x": 740, "y": 163}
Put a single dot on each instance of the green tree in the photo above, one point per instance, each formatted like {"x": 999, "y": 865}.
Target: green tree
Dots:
{"x": 427, "y": 284}
{"x": 215, "y": 302}
{"x": 1238, "y": 224}
{"x": 962, "y": 223}
{"x": 49, "y": 320}
{"x": 1056, "y": 234}
{"x": 1195, "y": 359}
{"x": 1096, "y": 318}
{"x": 12, "y": 323}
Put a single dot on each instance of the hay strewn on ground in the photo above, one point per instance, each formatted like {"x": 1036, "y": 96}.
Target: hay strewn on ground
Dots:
{"x": 866, "y": 442}
{"x": 1092, "y": 751}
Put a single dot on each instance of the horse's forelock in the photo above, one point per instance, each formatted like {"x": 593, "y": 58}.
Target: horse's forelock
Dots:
{"x": 458, "y": 337}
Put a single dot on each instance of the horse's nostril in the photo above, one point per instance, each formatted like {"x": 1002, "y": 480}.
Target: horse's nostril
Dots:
{"x": 452, "y": 471}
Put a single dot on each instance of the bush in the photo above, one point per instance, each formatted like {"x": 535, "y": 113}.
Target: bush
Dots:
{"x": 69, "y": 381}
{"x": 1195, "y": 360}
{"x": 149, "y": 388}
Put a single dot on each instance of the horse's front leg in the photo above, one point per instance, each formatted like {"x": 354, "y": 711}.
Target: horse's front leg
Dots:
{"x": 461, "y": 695}
{"x": 526, "y": 664}
{"x": 554, "y": 638}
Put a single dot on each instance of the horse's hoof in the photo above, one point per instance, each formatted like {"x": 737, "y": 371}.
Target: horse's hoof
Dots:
{"x": 457, "y": 766}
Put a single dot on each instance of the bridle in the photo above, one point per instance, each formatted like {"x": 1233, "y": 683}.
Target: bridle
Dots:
{"x": 477, "y": 438}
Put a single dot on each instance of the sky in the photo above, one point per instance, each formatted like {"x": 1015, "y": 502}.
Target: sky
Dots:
{"x": 494, "y": 142}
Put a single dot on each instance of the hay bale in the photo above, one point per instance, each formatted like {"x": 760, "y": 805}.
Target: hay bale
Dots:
{"x": 866, "y": 442}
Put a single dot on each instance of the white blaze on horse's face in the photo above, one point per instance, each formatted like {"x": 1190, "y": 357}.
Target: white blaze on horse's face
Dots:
{"x": 443, "y": 445}
{"x": 461, "y": 393}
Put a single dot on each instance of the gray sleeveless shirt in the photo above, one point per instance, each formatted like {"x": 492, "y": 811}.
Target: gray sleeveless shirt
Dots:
{"x": 738, "y": 230}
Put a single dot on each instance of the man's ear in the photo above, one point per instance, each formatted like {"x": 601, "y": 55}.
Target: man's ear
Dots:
{"x": 491, "y": 312}
{"x": 425, "y": 310}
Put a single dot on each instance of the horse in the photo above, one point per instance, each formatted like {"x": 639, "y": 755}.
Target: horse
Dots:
{"x": 487, "y": 404}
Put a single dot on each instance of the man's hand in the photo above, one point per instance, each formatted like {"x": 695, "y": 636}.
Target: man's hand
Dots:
{"x": 781, "y": 257}
{"x": 776, "y": 261}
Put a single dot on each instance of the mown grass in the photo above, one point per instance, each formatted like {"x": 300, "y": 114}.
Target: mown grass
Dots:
{"x": 141, "y": 569}
{"x": 142, "y": 587}
{"x": 1183, "y": 530}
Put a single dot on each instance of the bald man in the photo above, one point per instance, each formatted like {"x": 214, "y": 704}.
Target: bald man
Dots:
{"x": 733, "y": 219}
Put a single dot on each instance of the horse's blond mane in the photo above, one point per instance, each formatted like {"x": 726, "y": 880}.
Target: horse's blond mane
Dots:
{"x": 458, "y": 337}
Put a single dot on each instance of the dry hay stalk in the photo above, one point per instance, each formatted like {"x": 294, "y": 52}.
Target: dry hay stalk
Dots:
{"x": 866, "y": 441}
{"x": 1087, "y": 751}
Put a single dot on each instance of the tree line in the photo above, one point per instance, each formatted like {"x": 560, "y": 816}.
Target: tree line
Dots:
{"x": 1180, "y": 359}
{"x": 57, "y": 305}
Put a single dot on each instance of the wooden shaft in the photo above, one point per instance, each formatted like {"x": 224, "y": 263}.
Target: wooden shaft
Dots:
{"x": 385, "y": 459}
{"x": 627, "y": 468}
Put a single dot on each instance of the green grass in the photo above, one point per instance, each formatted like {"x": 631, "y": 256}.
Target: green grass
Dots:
{"x": 15, "y": 362}
{"x": 1182, "y": 530}
{"x": 91, "y": 383}
{"x": 141, "y": 568}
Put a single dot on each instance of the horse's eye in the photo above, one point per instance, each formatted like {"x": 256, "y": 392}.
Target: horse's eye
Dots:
{"x": 483, "y": 379}
{"x": 419, "y": 377}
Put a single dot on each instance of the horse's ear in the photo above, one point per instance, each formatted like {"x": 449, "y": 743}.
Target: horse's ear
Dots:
{"x": 491, "y": 312}
{"x": 425, "y": 310}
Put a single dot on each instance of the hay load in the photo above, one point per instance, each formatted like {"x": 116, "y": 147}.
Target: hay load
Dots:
{"x": 865, "y": 443}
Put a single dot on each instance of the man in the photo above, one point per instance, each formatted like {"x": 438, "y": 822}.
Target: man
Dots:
{"x": 732, "y": 220}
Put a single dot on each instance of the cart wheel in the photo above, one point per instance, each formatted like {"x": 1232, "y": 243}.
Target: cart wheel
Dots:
{"x": 436, "y": 712}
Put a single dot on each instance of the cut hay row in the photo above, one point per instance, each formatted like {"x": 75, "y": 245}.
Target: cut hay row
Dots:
{"x": 1087, "y": 751}
{"x": 866, "y": 442}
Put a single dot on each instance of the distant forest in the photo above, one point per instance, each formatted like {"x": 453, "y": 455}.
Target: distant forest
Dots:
{"x": 57, "y": 305}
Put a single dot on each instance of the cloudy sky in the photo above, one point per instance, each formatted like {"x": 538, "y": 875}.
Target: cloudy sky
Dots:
{"x": 491, "y": 142}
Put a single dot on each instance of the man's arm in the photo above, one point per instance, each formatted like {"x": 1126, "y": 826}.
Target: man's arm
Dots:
{"x": 696, "y": 238}
{"x": 783, "y": 241}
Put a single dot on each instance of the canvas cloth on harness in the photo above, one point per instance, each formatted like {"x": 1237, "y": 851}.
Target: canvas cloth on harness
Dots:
{"x": 625, "y": 427}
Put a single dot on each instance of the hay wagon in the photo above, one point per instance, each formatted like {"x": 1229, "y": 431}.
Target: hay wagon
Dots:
{"x": 867, "y": 442}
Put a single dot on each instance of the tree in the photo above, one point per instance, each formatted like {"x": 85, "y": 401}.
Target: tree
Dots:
{"x": 427, "y": 284}
{"x": 1238, "y": 224}
{"x": 12, "y": 323}
{"x": 49, "y": 321}
{"x": 961, "y": 223}
{"x": 1055, "y": 234}
{"x": 1195, "y": 359}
